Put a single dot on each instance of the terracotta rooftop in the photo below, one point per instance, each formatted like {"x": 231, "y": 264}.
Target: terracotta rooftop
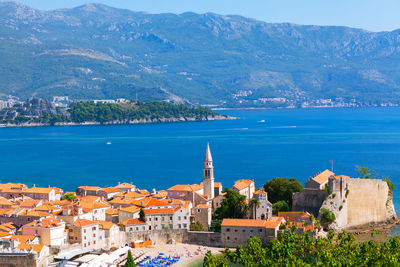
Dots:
{"x": 89, "y": 188}
{"x": 5, "y": 234}
{"x": 8, "y": 227}
{"x": 23, "y": 238}
{"x": 93, "y": 205}
{"x": 242, "y": 184}
{"x": 110, "y": 190}
{"x": 323, "y": 176}
{"x": 160, "y": 211}
{"x": 125, "y": 186}
{"x": 38, "y": 190}
{"x": 83, "y": 222}
{"x": 274, "y": 222}
{"x": 185, "y": 187}
{"x": 217, "y": 184}
{"x": 34, "y": 247}
{"x": 131, "y": 209}
{"x": 45, "y": 223}
{"x": 244, "y": 223}
{"x": 112, "y": 211}
{"x": 130, "y": 195}
{"x": 294, "y": 216}
{"x": 105, "y": 225}
{"x": 160, "y": 194}
{"x": 132, "y": 222}
{"x": 5, "y": 202}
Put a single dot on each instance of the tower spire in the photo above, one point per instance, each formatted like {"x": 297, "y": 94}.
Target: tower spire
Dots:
{"x": 208, "y": 172}
{"x": 208, "y": 156}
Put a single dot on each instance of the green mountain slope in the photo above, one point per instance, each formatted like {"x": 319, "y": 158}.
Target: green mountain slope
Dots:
{"x": 95, "y": 51}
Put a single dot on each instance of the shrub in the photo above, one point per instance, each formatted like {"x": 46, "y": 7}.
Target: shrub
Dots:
{"x": 327, "y": 216}
{"x": 341, "y": 207}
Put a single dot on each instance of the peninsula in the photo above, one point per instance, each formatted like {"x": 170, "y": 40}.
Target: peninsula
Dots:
{"x": 42, "y": 112}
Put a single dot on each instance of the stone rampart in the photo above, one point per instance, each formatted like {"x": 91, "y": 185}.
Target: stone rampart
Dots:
{"x": 17, "y": 259}
{"x": 157, "y": 236}
{"x": 309, "y": 200}
{"x": 359, "y": 203}
{"x": 211, "y": 239}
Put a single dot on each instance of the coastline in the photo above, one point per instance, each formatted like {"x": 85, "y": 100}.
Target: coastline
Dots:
{"x": 126, "y": 122}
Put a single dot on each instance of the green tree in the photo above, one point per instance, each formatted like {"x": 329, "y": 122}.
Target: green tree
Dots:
{"x": 214, "y": 261}
{"x": 197, "y": 227}
{"x": 129, "y": 260}
{"x": 280, "y": 206}
{"x": 142, "y": 214}
{"x": 282, "y": 189}
{"x": 364, "y": 172}
{"x": 233, "y": 206}
{"x": 70, "y": 196}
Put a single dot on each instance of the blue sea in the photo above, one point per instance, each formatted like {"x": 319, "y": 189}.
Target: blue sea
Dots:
{"x": 262, "y": 145}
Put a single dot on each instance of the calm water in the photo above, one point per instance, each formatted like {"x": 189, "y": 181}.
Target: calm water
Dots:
{"x": 291, "y": 143}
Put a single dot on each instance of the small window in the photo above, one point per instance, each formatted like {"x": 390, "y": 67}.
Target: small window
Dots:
{"x": 94, "y": 235}
{"x": 198, "y": 210}
{"x": 227, "y": 229}
{"x": 228, "y": 237}
{"x": 236, "y": 231}
{"x": 170, "y": 218}
{"x": 260, "y": 230}
{"x": 84, "y": 245}
{"x": 179, "y": 218}
{"x": 84, "y": 230}
{"x": 94, "y": 242}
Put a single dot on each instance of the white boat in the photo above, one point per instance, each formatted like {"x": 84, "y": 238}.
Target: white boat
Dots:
{"x": 108, "y": 143}
{"x": 262, "y": 121}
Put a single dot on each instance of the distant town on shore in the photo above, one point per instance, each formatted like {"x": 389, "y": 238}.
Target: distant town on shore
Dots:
{"x": 46, "y": 226}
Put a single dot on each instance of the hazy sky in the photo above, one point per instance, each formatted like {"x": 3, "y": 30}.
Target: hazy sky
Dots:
{"x": 374, "y": 15}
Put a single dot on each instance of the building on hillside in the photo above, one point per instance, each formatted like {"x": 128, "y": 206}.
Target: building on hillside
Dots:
{"x": 128, "y": 187}
{"x": 112, "y": 215}
{"x": 133, "y": 225}
{"x": 244, "y": 187}
{"x": 9, "y": 228}
{"x": 131, "y": 212}
{"x": 86, "y": 233}
{"x": 12, "y": 190}
{"x": 319, "y": 180}
{"x": 108, "y": 192}
{"x": 87, "y": 190}
{"x": 51, "y": 231}
{"x": 202, "y": 213}
{"x": 170, "y": 218}
{"x": 263, "y": 210}
{"x": 44, "y": 193}
{"x": 22, "y": 216}
{"x": 74, "y": 211}
{"x": 42, "y": 252}
{"x": 5, "y": 203}
{"x": 97, "y": 208}
{"x": 236, "y": 232}
{"x": 109, "y": 234}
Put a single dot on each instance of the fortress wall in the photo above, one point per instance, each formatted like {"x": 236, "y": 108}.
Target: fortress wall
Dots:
{"x": 309, "y": 200}
{"x": 366, "y": 202}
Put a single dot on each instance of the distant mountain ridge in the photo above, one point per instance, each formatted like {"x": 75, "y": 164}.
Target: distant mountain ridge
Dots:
{"x": 95, "y": 51}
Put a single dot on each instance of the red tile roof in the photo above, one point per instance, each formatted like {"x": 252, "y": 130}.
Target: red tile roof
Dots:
{"x": 132, "y": 222}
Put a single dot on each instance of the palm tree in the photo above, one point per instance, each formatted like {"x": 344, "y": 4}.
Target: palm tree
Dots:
{"x": 254, "y": 204}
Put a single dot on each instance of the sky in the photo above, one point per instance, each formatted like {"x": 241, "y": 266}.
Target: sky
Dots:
{"x": 373, "y": 15}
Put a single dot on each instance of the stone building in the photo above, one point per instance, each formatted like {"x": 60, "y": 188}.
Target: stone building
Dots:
{"x": 244, "y": 187}
{"x": 319, "y": 180}
{"x": 202, "y": 213}
{"x": 264, "y": 209}
{"x": 51, "y": 231}
{"x": 236, "y": 232}
{"x": 86, "y": 233}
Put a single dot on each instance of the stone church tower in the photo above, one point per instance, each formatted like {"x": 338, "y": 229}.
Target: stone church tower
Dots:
{"x": 208, "y": 178}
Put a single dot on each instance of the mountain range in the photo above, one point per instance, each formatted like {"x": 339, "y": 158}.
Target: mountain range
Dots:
{"x": 99, "y": 52}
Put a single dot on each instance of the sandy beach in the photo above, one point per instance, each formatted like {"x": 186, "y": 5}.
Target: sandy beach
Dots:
{"x": 188, "y": 253}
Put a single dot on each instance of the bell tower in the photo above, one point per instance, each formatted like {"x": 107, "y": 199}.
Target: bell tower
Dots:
{"x": 208, "y": 174}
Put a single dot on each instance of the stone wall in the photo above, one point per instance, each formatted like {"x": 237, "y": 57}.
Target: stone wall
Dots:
{"x": 211, "y": 239}
{"x": 17, "y": 260}
{"x": 359, "y": 203}
{"x": 309, "y": 200}
{"x": 157, "y": 236}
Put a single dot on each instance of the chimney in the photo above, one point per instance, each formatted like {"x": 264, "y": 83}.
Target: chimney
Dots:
{"x": 33, "y": 185}
{"x": 49, "y": 186}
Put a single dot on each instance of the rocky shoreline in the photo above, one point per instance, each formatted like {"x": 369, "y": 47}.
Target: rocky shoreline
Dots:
{"x": 119, "y": 122}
